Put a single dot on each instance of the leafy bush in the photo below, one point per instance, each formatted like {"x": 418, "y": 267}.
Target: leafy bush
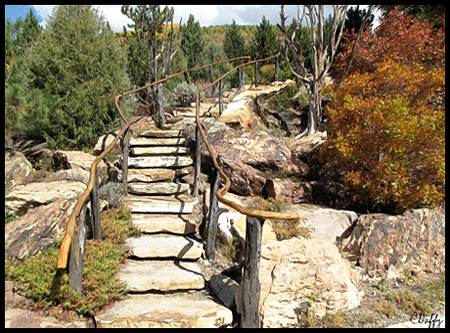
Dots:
{"x": 111, "y": 192}
{"x": 387, "y": 136}
{"x": 184, "y": 94}
{"x": 266, "y": 73}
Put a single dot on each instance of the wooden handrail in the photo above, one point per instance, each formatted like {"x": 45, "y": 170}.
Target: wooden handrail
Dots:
{"x": 222, "y": 191}
{"x": 63, "y": 254}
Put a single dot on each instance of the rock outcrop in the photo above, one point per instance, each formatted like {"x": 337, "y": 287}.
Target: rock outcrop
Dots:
{"x": 38, "y": 230}
{"x": 244, "y": 155}
{"x": 304, "y": 270}
{"x": 414, "y": 241}
{"x": 16, "y": 167}
{"x": 24, "y": 197}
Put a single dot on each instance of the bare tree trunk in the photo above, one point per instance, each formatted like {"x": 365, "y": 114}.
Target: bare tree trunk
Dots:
{"x": 322, "y": 55}
{"x": 160, "y": 105}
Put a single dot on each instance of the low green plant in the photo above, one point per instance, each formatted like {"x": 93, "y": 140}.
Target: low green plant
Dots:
{"x": 41, "y": 282}
{"x": 384, "y": 307}
{"x": 184, "y": 94}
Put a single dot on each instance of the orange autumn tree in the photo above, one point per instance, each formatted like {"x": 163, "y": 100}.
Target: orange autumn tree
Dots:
{"x": 387, "y": 136}
{"x": 387, "y": 119}
{"x": 400, "y": 36}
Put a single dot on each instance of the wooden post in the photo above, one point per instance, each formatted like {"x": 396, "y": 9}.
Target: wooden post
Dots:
{"x": 95, "y": 208}
{"x": 186, "y": 77}
{"x": 198, "y": 162}
{"x": 250, "y": 279}
{"x": 125, "y": 146}
{"x": 241, "y": 74}
{"x": 212, "y": 216}
{"x": 220, "y": 97}
{"x": 277, "y": 64}
{"x": 256, "y": 74}
{"x": 211, "y": 76}
{"x": 76, "y": 254}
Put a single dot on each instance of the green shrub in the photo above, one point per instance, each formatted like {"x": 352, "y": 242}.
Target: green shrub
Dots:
{"x": 41, "y": 282}
{"x": 184, "y": 94}
{"x": 266, "y": 73}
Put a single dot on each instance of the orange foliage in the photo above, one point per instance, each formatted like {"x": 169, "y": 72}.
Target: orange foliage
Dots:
{"x": 387, "y": 135}
{"x": 398, "y": 36}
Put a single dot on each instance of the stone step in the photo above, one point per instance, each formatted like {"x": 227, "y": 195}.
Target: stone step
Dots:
{"x": 153, "y": 204}
{"x": 160, "y": 275}
{"x": 157, "y": 142}
{"x": 163, "y": 133}
{"x": 159, "y": 162}
{"x": 165, "y": 311}
{"x": 154, "y": 174}
{"x": 153, "y": 223}
{"x": 159, "y": 188}
{"x": 136, "y": 151}
{"x": 163, "y": 246}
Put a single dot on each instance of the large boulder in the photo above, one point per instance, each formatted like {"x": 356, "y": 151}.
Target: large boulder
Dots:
{"x": 326, "y": 223}
{"x": 24, "y": 197}
{"x": 38, "y": 230}
{"x": 81, "y": 160}
{"x": 413, "y": 241}
{"x": 304, "y": 270}
{"x": 16, "y": 167}
{"x": 240, "y": 112}
{"x": 104, "y": 141}
{"x": 244, "y": 155}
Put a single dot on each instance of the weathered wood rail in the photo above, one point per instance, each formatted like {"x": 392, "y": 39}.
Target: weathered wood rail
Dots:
{"x": 72, "y": 246}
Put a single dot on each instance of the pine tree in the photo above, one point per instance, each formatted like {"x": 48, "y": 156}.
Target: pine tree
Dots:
{"x": 157, "y": 42}
{"x": 77, "y": 70}
{"x": 265, "y": 42}
{"x": 234, "y": 44}
{"x": 192, "y": 44}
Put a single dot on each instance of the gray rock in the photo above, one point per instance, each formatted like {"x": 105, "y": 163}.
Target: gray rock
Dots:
{"x": 414, "y": 241}
{"x": 38, "y": 230}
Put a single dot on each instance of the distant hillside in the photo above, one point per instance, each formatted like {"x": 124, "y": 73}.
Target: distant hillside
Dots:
{"x": 216, "y": 33}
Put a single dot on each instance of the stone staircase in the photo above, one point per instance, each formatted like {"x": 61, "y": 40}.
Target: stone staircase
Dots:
{"x": 162, "y": 271}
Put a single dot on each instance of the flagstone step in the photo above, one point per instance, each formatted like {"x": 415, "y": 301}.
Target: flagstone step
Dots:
{"x": 163, "y": 246}
{"x": 161, "y": 275}
{"x": 163, "y": 133}
{"x": 155, "y": 174}
{"x": 159, "y": 188}
{"x": 165, "y": 311}
{"x": 159, "y": 162}
{"x": 154, "y": 204}
{"x": 157, "y": 142}
{"x": 153, "y": 223}
{"x": 160, "y": 150}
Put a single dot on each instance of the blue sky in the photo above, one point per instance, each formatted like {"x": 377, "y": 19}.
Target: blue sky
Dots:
{"x": 206, "y": 14}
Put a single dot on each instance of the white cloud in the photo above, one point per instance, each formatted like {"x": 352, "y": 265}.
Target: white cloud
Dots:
{"x": 44, "y": 11}
{"x": 114, "y": 16}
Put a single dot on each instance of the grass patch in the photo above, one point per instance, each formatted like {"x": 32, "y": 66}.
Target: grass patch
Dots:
{"x": 284, "y": 229}
{"x": 47, "y": 287}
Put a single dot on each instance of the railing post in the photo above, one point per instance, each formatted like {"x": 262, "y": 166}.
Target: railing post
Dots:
{"x": 212, "y": 216}
{"x": 241, "y": 74}
{"x": 220, "y": 97}
{"x": 250, "y": 278}
{"x": 95, "y": 207}
{"x": 125, "y": 146}
{"x": 76, "y": 254}
{"x": 198, "y": 162}
{"x": 277, "y": 64}
{"x": 256, "y": 74}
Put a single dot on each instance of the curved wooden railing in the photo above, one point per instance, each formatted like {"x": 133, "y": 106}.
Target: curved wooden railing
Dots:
{"x": 63, "y": 254}
{"x": 257, "y": 216}
{"x": 222, "y": 191}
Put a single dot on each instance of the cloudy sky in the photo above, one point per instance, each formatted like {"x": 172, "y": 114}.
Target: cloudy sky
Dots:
{"x": 206, "y": 14}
